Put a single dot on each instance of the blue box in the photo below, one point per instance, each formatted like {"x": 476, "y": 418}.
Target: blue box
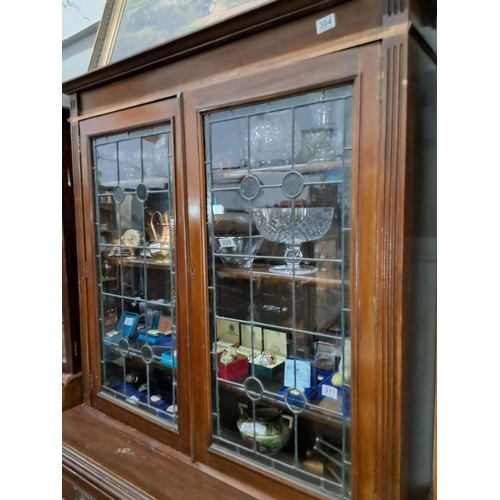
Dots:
{"x": 128, "y": 389}
{"x": 166, "y": 359}
{"x": 346, "y": 406}
{"x": 329, "y": 391}
{"x": 166, "y": 341}
{"x": 149, "y": 339}
{"x": 309, "y": 392}
{"x": 162, "y": 405}
{"x": 297, "y": 400}
{"x": 125, "y": 327}
{"x": 322, "y": 374}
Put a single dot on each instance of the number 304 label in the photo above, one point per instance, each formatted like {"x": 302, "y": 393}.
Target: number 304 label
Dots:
{"x": 325, "y": 23}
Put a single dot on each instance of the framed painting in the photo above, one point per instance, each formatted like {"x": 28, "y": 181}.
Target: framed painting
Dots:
{"x": 129, "y": 27}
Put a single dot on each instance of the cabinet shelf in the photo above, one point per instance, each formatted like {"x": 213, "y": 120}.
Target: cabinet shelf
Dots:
{"x": 316, "y": 413}
{"x": 261, "y": 272}
{"x": 236, "y": 174}
{"x": 234, "y": 439}
{"x": 152, "y": 183}
{"x": 138, "y": 261}
{"x": 109, "y": 278}
{"x": 135, "y": 352}
{"x": 106, "y": 205}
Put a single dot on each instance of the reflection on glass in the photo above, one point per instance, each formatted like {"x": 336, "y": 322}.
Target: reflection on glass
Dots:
{"x": 271, "y": 141}
{"x": 279, "y": 255}
{"x": 134, "y": 236}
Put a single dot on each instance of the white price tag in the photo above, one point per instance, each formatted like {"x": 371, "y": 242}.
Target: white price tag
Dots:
{"x": 128, "y": 321}
{"x": 154, "y": 247}
{"x": 227, "y": 243}
{"x": 325, "y": 24}
{"x": 329, "y": 391}
{"x": 249, "y": 427}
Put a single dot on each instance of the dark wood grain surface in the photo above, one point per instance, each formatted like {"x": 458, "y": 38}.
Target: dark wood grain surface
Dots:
{"x": 165, "y": 111}
{"x": 127, "y": 467}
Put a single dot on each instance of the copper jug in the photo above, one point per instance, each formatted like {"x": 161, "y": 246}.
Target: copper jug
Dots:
{"x": 159, "y": 231}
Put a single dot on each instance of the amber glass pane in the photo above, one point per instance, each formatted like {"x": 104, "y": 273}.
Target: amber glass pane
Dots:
{"x": 278, "y": 178}
{"x": 135, "y": 256}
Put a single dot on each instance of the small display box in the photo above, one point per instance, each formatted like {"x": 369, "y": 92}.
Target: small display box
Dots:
{"x": 228, "y": 332}
{"x": 228, "y": 336}
{"x": 234, "y": 369}
{"x": 127, "y": 390}
{"x": 168, "y": 359}
{"x": 275, "y": 343}
{"x": 160, "y": 332}
{"x": 294, "y": 396}
{"x": 327, "y": 390}
{"x": 160, "y": 401}
{"x": 245, "y": 347}
{"x": 125, "y": 328}
{"x": 300, "y": 377}
{"x": 332, "y": 397}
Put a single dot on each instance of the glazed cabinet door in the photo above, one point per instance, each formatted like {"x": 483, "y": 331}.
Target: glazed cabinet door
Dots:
{"x": 132, "y": 177}
{"x": 284, "y": 269}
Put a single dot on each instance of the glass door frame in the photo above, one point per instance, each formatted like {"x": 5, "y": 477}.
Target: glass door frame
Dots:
{"x": 136, "y": 118}
{"x": 359, "y": 66}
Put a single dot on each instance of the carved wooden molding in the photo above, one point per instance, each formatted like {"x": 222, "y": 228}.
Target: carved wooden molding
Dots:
{"x": 88, "y": 472}
{"x": 390, "y": 242}
{"x": 80, "y": 245}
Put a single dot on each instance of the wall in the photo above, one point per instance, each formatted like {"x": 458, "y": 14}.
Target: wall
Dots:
{"x": 80, "y": 21}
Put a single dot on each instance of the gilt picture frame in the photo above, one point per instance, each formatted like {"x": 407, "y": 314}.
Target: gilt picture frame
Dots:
{"x": 131, "y": 27}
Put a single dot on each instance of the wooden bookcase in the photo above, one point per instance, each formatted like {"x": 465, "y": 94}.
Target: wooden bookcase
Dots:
{"x": 384, "y": 54}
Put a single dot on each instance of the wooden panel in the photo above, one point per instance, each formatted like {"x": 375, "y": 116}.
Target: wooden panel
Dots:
{"x": 103, "y": 455}
{"x": 70, "y": 313}
{"x": 130, "y": 119}
{"x": 267, "y": 48}
{"x": 231, "y": 28}
{"x": 418, "y": 328}
{"x": 80, "y": 247}
{"x": 360, "y": 66}
{"x": 390, "y": 214}
{"x": 215, "y": 36}
{"x": 72, "y": 391}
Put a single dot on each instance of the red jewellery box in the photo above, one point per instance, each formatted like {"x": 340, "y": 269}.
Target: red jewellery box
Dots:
{"x": 235, "y": 369}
